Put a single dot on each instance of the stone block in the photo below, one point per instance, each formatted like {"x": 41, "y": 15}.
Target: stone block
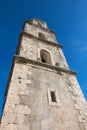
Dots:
{"x": 12, "y": 127}
{"x": 86, "y": 105}
{"x": 14, "y": 89}
{"x": 13, "y": 118}
{"x": 19, "y": 118}
{"x": 29, "y": 72}
{"x": 70, "y": 89}
{"x": 10, "y": 108}
{"x": 13, "y": 99}
{"x": 81, "y": 118}
{"x": 8, "y": 118}
{"x": 3, "y": 126}
{"x": 24, "y": 127}
{"x": 28, "y": 81}
{"x": 86, "y": 127}
{"x": 82, "y": 112}
{"x": 80, "y": 99}
{"x": 23, "y": 90}
{"x": 73, "y": 98}
{"x": 22, "y": 109}
{"x": 79, "y": 105}
{"x": 86, "y": 112}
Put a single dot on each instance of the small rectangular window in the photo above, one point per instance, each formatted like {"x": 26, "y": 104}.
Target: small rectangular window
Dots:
{"x": 53, "y": 96}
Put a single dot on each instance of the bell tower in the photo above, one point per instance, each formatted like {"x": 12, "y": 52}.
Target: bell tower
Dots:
{"x": 42, "y": 92}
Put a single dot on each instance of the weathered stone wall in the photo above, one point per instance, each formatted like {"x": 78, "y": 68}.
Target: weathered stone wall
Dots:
{"x": 28, "y": 108}
{"x": 38, "y": 22}
{"x": 30, "y": 48}
{"x": 32, "y": 29}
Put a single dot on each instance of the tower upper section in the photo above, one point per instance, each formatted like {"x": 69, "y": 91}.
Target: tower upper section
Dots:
{"x": 38, "y": 23}
{"x": 38, "y": 43}
{"x": 39, "y": 29}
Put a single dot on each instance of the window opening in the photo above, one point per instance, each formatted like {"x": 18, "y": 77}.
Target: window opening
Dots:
{"x": 45, "y": 57}
{"x": 43, "y": 60}
{"x": 57, "y": 64}
{"x": 41, "y": 35}
{"x": 53, "y": 96}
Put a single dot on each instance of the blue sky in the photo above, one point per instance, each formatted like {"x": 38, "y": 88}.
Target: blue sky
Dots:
{"x": 68, "y": 18}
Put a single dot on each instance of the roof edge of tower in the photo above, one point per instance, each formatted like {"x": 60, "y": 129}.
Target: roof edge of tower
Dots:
{"x": 46, "y": 29}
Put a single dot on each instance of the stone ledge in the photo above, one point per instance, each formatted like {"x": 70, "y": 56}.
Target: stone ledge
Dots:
{"x": 37, "y": 63}
{"x": 23, "y": 33}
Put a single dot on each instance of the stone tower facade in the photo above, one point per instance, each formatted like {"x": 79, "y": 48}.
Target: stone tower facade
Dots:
{"x": 42, "y": 92}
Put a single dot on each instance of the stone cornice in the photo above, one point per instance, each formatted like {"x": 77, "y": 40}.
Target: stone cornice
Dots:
{"x": 20, "y": 59}
{"x": 23, "y": 33}
{"x": 45, "y": 29}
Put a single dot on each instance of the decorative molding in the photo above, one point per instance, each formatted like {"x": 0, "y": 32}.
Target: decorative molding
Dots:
{"x": 20, "y": 59}
{"x": 23, "y": 33}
